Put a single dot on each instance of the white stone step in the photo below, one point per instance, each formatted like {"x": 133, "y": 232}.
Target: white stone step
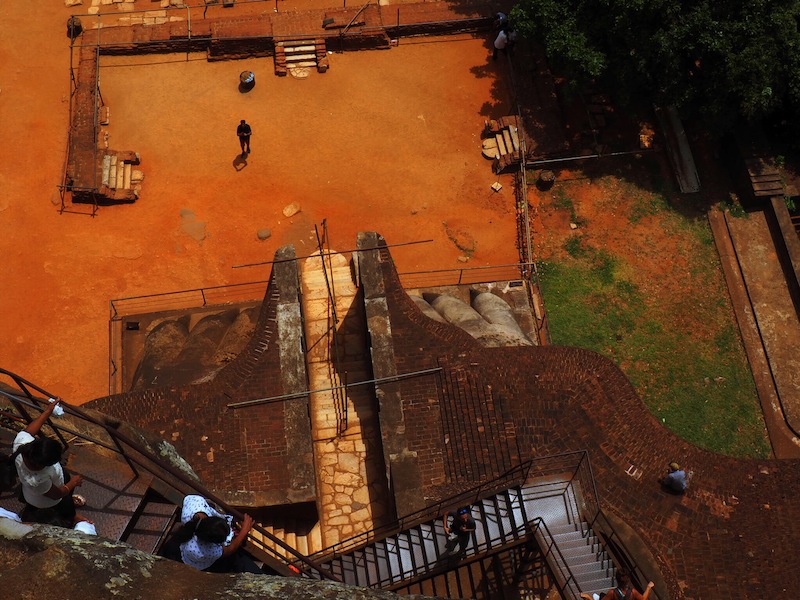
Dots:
{"x": 291, "y": 49}
{"x": 292, "y": 59}
{"x": 120, "y": 175}
{"x": 106, "y": 169}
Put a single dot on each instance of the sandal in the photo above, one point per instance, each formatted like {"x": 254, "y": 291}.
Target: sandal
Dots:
{"x": 78, "y": 500}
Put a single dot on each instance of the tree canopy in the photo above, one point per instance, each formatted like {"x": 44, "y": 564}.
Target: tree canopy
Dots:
{"x": 719, "y": 59}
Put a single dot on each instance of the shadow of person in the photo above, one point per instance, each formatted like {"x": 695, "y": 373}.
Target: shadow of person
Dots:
{"x": 240, "y": 162}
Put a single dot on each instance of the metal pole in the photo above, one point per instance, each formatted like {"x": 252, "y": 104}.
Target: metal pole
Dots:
{"x": 330, "y": 389}
{"x": 272, "y": 262}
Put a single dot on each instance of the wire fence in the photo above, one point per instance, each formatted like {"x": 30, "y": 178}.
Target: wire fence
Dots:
{"x": 464, "y": 276}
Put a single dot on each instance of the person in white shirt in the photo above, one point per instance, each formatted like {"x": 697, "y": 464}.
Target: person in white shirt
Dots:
{"x": 44, "y": 483}
{"x": 206, "y": 540}
{"x": 500, "y": 43}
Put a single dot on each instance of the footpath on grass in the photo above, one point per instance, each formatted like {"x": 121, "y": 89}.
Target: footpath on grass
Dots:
{"x": 768, "y": 319}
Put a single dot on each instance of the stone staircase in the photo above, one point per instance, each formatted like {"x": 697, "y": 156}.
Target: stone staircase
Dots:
{"x": 351, "y": 484}
{"x": 119, "y": 180}
{"x": 501, "y": 142}
{"x": 305, "y": 537}
{"x": 298, "y": 55}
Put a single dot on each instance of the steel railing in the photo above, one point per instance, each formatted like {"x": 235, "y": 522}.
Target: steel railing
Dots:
{"x": 473, "y": 495}
{"x": 137, "y": 455}
{"x": 573, "y": 470}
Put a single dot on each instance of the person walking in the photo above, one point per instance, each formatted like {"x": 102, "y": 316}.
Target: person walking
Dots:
{"x": 244, "y": 131}
{"x": 460, "y": 528}
{"x": 45, "y": 486}
{"x": 500, "y": 43}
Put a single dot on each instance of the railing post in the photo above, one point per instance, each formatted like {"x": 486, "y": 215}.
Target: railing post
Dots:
{"x": 121, "y": 450}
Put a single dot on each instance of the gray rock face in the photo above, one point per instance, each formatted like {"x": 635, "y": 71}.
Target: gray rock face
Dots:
{"x": 49, "y": 562}
{"x": 427, "y": 309}
{"x": 458, "y": 313}
{"x": 497, "y": 312}
{"x": 494, "y": 327}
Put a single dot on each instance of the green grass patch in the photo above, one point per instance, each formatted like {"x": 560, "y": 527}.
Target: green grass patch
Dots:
{"x": 646, "y": 205}
{"x": 699, "y": 386}
{"x": 562, "y": 201}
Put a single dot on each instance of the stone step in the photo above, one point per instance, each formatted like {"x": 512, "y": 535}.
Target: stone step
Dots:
{"x": 507, "y": 140}
{"x": 293, "y": 49}
{"x": 106, "y": 169}
{"x": 501, "y": 144}
{"x": 305, "y": 63}
{"x": 291, "y": 59}
{"x": 126, "y": 183}
{"x": 514, "y": 138}
{"x": 120, "y": 175}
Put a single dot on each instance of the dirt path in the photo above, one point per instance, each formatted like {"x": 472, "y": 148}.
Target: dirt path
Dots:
{"x": 386, "y": 141}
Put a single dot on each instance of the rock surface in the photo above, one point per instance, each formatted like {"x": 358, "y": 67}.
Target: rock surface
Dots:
{"x": 49, "y": 562}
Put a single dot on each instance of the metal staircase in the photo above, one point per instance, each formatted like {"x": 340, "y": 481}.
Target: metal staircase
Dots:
{"x": 132, "y": 493}
{"x": 504, "y": 520}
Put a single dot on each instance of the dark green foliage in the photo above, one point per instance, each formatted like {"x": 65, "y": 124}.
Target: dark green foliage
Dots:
{"x": 721, "y": 60}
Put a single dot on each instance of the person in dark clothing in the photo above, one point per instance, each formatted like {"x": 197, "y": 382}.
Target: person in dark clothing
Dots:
{"x": 460, "y": 528}
{"x": 675, "y": 481}
{"x": 624, "y": 590}
{"x": 244, "y": 131}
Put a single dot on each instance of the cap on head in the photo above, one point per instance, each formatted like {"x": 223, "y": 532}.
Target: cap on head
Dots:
{"x": 463, "y": 511}
{"x": 674, "y": 466}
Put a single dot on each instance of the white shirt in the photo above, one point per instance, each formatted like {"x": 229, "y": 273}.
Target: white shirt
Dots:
{"x": 501, "y": 41}
{"x": 35, "y": 484}
{"x": 196, "y": 553}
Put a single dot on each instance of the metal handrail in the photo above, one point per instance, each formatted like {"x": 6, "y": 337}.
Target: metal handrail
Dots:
{"x": 115, "y": 303}
{"x": 518, "y": 475}
{"x": 146, "y": 460}
{"x": 470, "y": 496}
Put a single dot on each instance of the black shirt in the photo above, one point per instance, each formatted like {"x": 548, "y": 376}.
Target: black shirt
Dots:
{"x": 243, "y": 129}
{"x": 460, "y": 526}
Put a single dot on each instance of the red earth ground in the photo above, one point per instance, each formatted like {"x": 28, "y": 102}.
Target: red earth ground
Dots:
{"x": 386, "y": 141}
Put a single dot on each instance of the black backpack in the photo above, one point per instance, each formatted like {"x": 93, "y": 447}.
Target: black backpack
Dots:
{"x": 8, "y": 470}
{"x": 620, "y": 595}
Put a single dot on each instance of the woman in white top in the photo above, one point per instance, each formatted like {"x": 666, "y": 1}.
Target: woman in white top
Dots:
{"x": 44, "y": 484}
{"x": 207, "y": 542}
